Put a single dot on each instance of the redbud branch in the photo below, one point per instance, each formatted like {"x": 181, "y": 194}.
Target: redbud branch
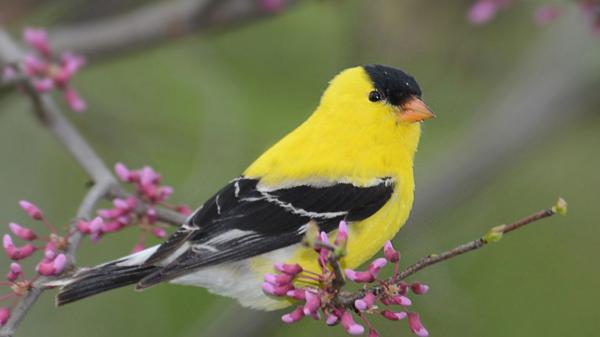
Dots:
{"x": 105, "y": 184}
{"x": 347, "y": 299}
{"x": 473, "y": 245}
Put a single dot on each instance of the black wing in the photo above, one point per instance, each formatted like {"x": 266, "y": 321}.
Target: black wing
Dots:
{"x": 244, "y": 219}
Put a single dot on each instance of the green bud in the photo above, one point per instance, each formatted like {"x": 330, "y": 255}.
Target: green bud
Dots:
{"x": 560, "y": 207}
{"x": 493, "y": 235}
{"x": 312, "y": 233}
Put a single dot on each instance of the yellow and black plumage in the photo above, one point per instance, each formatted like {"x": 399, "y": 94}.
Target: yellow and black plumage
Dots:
{"x": 351, "y": 159}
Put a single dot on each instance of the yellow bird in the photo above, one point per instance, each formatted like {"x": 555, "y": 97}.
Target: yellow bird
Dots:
{"x": 352, "y": 160}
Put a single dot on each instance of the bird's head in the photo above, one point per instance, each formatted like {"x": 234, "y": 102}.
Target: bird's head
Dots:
{"x": 374, "y": 93}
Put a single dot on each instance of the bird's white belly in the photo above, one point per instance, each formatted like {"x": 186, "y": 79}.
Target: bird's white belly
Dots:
{"x": 239, "y": 280}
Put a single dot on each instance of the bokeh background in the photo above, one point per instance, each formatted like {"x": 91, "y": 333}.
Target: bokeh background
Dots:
{"x": 517, "y": 126}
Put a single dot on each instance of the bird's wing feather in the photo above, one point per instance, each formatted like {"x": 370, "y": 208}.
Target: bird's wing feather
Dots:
{"x": 245, "y": 219}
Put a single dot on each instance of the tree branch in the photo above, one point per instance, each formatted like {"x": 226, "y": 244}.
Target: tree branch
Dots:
{"x": 105, "y": 184}
{"x": 156, "y": 23}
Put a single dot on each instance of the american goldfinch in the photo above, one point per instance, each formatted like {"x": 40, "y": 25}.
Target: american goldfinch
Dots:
{"x": 352, "y": 160}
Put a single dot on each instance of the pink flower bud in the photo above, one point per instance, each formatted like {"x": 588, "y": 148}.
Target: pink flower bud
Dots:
{"x": 324, "y": 238}
{"x": 393, "y": 316}
{"x": 109, "y": 213}
{"x": 482, "y": 11}
{"x": 359, "y": 276}
{"x": 50, "y": 251}
{"x": 414, "y": 322}
{"x": 148, "y": 176}
{"x": 151, "y": 214}
{"x": 278, "y": 280}
{"x": 34, "y": 66}
{"x": 21, "y": 232}
{"x": 14, "y": 272}
{"x": 159, "y": 232}
{"x": 43, "y": 85}
{"x": 313, "y": 303}
{"x": 165, "y": 192}
{"x": 138, "y": 247}
{"x": 373, "y": 333}
{"x": 96, "y": 224}
{"x": 122, "y": 172}
{"x": 419, "y": 288}
{"x": 376, "y": 266}
{"x": 75, "y": 102}
{"x": 110, "y": 227}
{"x": 390, "y": 253}
{"x": 342, "y": 235}
{"x": 54, "y": 267}
{"x": 38, "y": 39}
{"x": 60, "y": 262}
{"x": 399, "y": 300}
{"x": 293, "y": 316}
{"x": 290, "y": 269}
{"x": 83, "y": 226}
{"x": 350, "y": 326}
{"x": 70, "y": 64}
{"x": 16, "y": 253}
{"x": 273, "y": 290}
{"x": 332, "y": 320}
{"x": 184, "y": 209}
{"x": 366, "y": 302}
{"x": 32, "y": 210}
{"x": 4, "y": 315}
{"x": 297, "y": 294}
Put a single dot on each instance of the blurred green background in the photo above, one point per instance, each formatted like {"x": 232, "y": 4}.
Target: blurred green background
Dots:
{"x": 200, "y": 108}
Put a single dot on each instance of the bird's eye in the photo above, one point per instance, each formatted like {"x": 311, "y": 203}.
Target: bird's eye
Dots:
{"x": 375, "y": 96}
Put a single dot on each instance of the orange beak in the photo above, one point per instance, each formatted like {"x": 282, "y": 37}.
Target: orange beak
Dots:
{"x": 415, "y": 110}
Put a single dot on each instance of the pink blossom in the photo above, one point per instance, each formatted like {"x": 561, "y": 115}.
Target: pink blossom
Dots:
{"x": 151, "y": 215}
{"x": 351, "y": 327}
{"x": 159, "y": 232}
{"x": 293, "y": 316}
{"x": 312, "y": 304}
{"x": 278, "y": 280}
{"x": 43, "y": 85}
{"x": 414, "y": 322}
{"x": 32, "y": 210}
{"x": 332, "y": 319}
{"x": 4, "y": 315}
{"x": 21, "y": 232}
{"x": 75, "y": 102}
{"x": 52, "y": 267}
{"x": 390, "y": 253}
{"x": 376, "y": 266}
{"x": 297, "y": 294}
{"x": 342, "y": 235}
{"x": 14, "y": 272}
{"x": 184, "y": 209}
{"x": 123, "y": 172}
{"x": 359, "y": 276}
{"x": 274, "y": 290}
{"x": 38, "y": 39}
{"x": 16, "y": 253}
{"x": 393, "y": 316}
{"x": 290, "y": 269}
{"x": 138, "y": 247}
{"x": 483, "y": 11}
{"x": 419, "y": 288}
{"x": 33, "y": 66}
{"x": 366, "y": 302}
{"x": 399, "y": 300}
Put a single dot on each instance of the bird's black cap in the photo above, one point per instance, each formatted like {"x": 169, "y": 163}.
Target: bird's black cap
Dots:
{"x": 396, "y": 85}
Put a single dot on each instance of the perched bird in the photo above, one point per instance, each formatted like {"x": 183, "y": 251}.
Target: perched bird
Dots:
{"x": 352, "y": 160}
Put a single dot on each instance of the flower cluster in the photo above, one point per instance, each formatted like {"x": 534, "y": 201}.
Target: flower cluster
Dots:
{"x": 320, "y": 294}
{"x": 129, "y": 211}
{"x": 53, "y": 261}
{"x": 483, "y": 11}
{"x": 46, "y": 72}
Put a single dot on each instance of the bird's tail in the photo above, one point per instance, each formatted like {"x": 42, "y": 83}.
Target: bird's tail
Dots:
{"x": 92, "y": 281}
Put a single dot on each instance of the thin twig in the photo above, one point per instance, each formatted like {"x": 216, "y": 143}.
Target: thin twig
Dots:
{"x": 347, "y": 299}
{"x": 105, "y": 183}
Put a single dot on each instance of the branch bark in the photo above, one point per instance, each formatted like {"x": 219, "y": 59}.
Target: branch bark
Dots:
{"x": 105, "y": 184}
{"x": 156, "y": 23}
